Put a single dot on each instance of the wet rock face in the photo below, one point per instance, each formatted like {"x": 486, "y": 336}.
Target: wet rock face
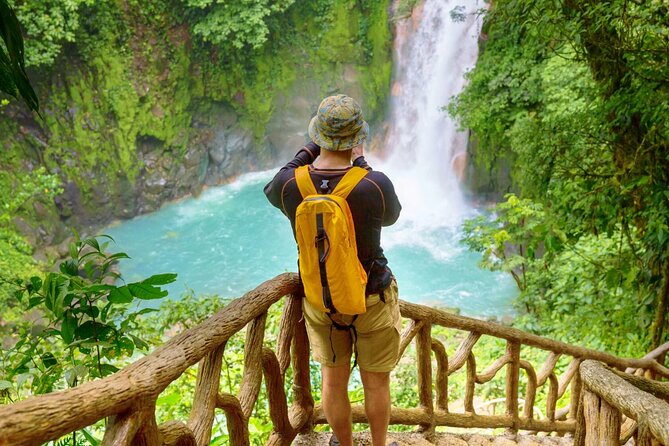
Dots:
{"x": 231, "y": 152}
{"x": 218, "y": 148}
{"x": 287, "y": 130}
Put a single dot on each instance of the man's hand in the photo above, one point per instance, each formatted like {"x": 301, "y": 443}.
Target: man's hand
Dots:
{"x": 357, "y": 152}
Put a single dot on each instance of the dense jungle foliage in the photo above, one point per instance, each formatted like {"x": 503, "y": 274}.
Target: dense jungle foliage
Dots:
{"x": 573, "y": 94}
{"x": 576, "y": 95}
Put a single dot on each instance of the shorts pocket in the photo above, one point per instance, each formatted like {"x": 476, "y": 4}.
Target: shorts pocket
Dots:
{"x": 377, "y": 317}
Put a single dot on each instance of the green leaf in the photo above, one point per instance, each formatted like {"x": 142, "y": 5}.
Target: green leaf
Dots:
{"x": 107, "y": 236}
{"x": 72, "y": 375}
{"x": 145, "y": 291}
{"x": 91, "y": 439}
{"x": 120, "y": 295}
{"x": 147, "y": 288}
{"x": 36, "y": 282}
{"x": 67, "y": 328}
{"x": 169, "y": 399}
{"x": 146, "y": 311}
{"x": 118, "y": 256}
{"x": 160, "y": 279}
{"x": 105, "y": 311}
{"x": 59, "y": 301}
{"x": 14, "y": 65}
{"x": 5, "y": 385}
{"x": 49, "y": 360}
{"x": 93, "y": 330}
{"x": 108, "y": 369}
{"x": 89, "y": 310}
{"x": 139, "y": 343}
{"x": 125, "y": 343}
{"x": 74, "y": 251}
{"x": 93, "y": 243}
{"x": 70, "y": 267}
{"x": 34, "y": 301}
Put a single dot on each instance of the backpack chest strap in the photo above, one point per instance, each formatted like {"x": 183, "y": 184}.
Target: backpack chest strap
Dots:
{"x": 350, "y": 180}
{"x": 344, "y": 187}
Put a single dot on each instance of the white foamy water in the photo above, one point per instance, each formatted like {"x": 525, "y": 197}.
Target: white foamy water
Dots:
{"x": 432, "y": 54}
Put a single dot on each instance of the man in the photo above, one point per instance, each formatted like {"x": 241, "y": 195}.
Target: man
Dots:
{"x": 340, "y": 131}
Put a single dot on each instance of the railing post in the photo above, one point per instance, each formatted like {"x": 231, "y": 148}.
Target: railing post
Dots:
{"x": 470, "y": 385}
{"x": 238, "y": 424}
{"x": 531, "y": 394}
{"x": 551, "y": 400}
{"x": 423, "y": 349}
{"x": 303, "y": 402}
{"x": 292, "y": 312}
{"x": 176, "y": 433}
{"x": 137, "y": 427}
{"x": 643, "y": 436}
{"x": 579, "y": 434}
{"x": 121, "y": 429}
{"x": 591, "y": 415}
{"x": 512, "y": 376}
{"x": 207, "y": 384}
{"x": 442, "y": 375}
{"x": 609, "y": 424}
{"x": 252, "y": 379}
{"x": 283, "y": 433}
{"x": 576, "y": 389}
{"x": 148, "y": 434}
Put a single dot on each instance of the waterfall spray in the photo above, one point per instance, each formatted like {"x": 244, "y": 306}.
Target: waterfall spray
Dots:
{"x": 423, "y": 143}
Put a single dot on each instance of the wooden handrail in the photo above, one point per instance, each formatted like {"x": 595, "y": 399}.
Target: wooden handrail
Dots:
{"x": 47, "y": 417}
{"x": 430, "y": 315}
{"x": 128, "y": 397}
{"x": 607, "y": 396}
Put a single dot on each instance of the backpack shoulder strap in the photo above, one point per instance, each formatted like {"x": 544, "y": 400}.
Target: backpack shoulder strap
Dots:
{"x": 350, "y": 180}
{"x": 304, "y": 183}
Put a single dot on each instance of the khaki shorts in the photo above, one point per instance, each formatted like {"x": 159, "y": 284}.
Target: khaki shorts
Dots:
{"x": 378, "y": 331}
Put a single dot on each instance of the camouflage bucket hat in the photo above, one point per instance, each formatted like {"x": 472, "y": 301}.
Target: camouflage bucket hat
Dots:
{"x": 338, "y": 125}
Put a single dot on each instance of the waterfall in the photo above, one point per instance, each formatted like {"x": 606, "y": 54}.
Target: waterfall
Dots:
{"x": 230, "y": 239}
{"x": 425, "y": 152}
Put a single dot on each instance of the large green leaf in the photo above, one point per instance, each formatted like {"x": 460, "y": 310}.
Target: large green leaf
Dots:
{"x": 147, "y": 292}
{"x": 120, "y": 295}
{"x": 12, "y": 65}
{"x": 160, "y": 279}
{"x": 148, "y": 289}
{"x": 68, "y": 325}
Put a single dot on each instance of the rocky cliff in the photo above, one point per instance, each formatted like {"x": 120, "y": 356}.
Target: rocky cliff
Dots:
{"x": 150, "y": 113}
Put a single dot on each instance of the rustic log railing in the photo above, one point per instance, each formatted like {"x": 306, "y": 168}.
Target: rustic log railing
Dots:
{"x": 428, "y": 416}
{"x": 608, "y": 395}
{"x": 128, "y": 398}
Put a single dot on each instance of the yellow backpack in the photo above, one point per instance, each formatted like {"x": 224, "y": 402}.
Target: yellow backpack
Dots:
{"x": 334, "y": 280}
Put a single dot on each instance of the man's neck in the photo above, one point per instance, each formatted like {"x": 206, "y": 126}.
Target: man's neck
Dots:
{"x": 333, "y": 159}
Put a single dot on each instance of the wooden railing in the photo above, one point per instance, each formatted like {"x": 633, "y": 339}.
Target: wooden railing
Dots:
{"x": 609, "y": 396}
{"x": 429, "y": 415}
{"x": 128, "y": 398}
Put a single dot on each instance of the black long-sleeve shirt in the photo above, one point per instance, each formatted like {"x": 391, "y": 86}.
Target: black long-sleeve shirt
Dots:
{"x": 373, "y": 203}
